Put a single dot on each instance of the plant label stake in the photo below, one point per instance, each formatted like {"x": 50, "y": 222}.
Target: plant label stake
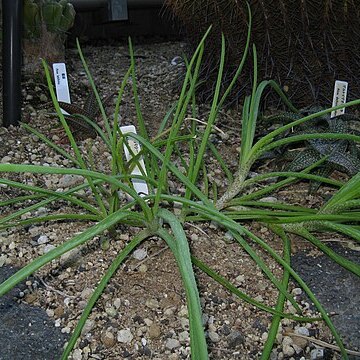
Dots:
{"x": 61, "y": 84}
{"x": 140, "y": 186}
{"x": 339, "y": 97}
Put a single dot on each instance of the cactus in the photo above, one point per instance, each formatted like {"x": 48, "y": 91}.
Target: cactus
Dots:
{"x": 302, "y": 44}
{"x": 46, "y": 23}
{"x": 52, "y": 16}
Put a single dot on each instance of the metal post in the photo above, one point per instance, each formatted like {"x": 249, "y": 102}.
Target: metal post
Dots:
{"x": 11, "y": 52}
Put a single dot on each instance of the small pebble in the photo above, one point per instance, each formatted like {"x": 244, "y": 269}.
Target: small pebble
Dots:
{"x": 302, "y": 330}
{"x": 6, "y": 159}
{"x": 154, "y": 331}
{"x": 288, "y": 350}
{"x": 235, "y": 339}
{"x": 124, "y": 336}
{"x": 184, "y": 336}
{"x": 143, "y": 268}
{"x": 43, "y": 239}
{"x": 152, "y": 304}
{"x": 43, "y": 98}
{"x": 117, "y": 303}
{"x": 140, "y": 254}
{"x": 48, "y": 248}
{"x": 172, "y": 343}
{"x": 88, "y": 326}
{"x": 77, "y": 354}
{"x": 108, "y": 339}
{"x": 214, "y": 336}
{"x": 317, "y": 354}
{"x": 86, "y": 293}
{"x": 296, "y": 291}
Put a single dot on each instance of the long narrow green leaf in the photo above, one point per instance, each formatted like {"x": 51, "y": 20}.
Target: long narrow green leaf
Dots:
{"x": 73, "y": 144}
{"x": 94, "y": 89}
{"x": 275, "y": 323}
{"x": 269, "y": 137}
{"x": 350, "y": 191}
{"x": 211, "y": 118}
{"x": 348, "y": 230}
{"x": 303, "y": 137}
{"x": 50, "y": 143}
{"x": 180, "y": 247}
{"x": 242, "y": 61}
{"x": 86, "y": 173}
{"x": 345, "y": 263}
{"x": 66, "y": 195}
{"x": 297, "y": 175}
{"x": 185, "y": 97}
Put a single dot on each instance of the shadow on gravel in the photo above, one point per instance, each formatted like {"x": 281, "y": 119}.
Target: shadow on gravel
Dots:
{"x": 26, "y": 331}
{"x": 336, "y": 288}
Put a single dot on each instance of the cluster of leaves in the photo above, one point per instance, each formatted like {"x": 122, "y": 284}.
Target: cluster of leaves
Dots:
{"x": 340, "y": 154}
{"x": 106, "y": 210}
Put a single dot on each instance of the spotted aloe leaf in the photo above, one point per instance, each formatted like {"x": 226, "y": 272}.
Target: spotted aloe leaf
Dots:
{"x": 342, "y": 155}
{"x": 304, "y": 159}
{"x": 80, "y": 128}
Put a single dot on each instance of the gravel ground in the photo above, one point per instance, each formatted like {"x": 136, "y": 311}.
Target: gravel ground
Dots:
{"x": 142, "y": 313}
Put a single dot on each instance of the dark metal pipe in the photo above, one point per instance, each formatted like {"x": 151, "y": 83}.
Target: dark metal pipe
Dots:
{"x": 91, "y": 4}
{"x": 11, "y": 52}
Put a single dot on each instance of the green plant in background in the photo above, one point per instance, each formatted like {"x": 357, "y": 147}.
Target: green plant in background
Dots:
{"x": 46, "y": 23}
{"x": 53, "y": 16}
{"x": 178, "y": 139}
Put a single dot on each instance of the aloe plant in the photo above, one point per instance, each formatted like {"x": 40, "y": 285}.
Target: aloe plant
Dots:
{"x": 342, "y": 154}
{"x": 104, "y": 209}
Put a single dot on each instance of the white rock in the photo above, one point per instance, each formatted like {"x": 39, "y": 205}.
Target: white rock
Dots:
{"x": 184, "y": 336}
{"x": 86, "y": 293}
{"x": 183, "y": 311}
{"x": 172, "y": 344}
{"x": 48, "y": 248}
{"x": 77, "y": 354}
{"x": 140, "y": 254}
{"x": 317, "y": 354}
{"x": 117, "y": 303}
{"x": 269, "y": 199}
{"x": 229, "y": 236}
{"x": 88, "y": 326}
{"x": 2, "y": 260}
{"x": 240, "y": 279}
{"x": 124, "y": 336}
{"x": 6, "y": 159}
{"x": 288, "y": 350}
{"x": 184, "y": 323}
{"x": 296, "y": 291}
{"x": 43, "y": 239}
{"x": 194, "y": 237}
{"x": 287, "y": 340}
{"x": 302, "y": 330}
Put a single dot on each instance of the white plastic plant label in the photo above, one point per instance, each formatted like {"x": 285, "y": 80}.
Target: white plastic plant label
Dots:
{"x": 339, "y": 97}
{"x": 140, "y": 185}
{"x": 61, "y": 84}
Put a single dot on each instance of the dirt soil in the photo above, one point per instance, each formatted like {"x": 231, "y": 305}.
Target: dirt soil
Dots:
{"x": 142, "y": 314}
